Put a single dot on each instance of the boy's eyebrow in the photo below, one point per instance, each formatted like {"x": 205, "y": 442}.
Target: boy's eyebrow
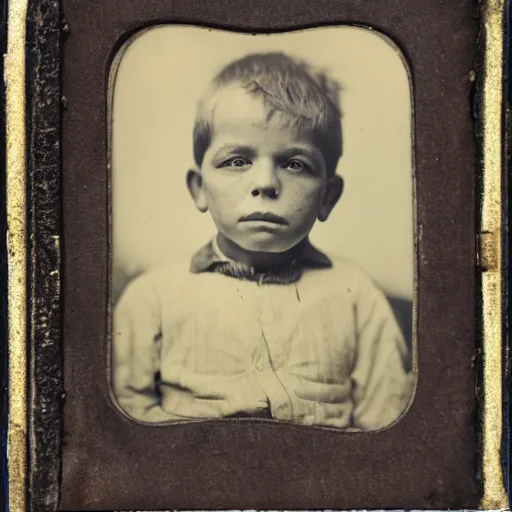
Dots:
{"x": 227, "y": 148}
{"x": 244, "y": 148}
{"x": 299, "y": 150}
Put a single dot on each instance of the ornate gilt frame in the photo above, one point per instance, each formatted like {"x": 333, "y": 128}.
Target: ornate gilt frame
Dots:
{"x": 491, "y": 250}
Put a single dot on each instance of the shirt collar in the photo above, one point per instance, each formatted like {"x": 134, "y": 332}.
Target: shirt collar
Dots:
{"x": 208, "y": 256}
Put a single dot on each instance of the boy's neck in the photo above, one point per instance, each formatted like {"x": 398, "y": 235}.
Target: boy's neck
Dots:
{"x": 255, "y": 259}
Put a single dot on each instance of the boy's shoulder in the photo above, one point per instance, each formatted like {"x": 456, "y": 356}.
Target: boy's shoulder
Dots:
{"x": 341, "y": 268}
{"x": 343, "y": 276}
{"x": 175, "y": 272}
{"x": 343, "y": 265}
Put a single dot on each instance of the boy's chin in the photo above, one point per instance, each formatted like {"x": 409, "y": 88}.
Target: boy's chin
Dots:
{"x": 260, "y": 244}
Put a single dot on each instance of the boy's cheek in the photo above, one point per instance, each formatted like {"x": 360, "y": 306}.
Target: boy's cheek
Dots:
{"x": 218, "y": 183}
{"x": 304, "y": 199}
{"x": 219, "y": 199}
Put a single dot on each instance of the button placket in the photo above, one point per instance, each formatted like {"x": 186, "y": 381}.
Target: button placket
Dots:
{"x": 271, "y": 358}
{"x": 270, "y": 327}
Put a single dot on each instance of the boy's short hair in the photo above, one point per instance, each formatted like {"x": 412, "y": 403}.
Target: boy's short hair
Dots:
{"x": 305, "y": 100}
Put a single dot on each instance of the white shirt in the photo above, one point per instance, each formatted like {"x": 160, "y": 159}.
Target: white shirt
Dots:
{"x": 323, "y": 350}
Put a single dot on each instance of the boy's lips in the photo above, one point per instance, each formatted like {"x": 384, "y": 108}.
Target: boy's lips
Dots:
{"x": 264, "y": 217}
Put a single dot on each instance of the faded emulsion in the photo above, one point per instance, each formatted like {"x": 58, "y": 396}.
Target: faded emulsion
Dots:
{"x": 262, "y": 228}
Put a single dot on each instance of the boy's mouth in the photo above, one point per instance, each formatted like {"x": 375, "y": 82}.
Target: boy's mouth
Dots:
{"x": 264, "y": 217}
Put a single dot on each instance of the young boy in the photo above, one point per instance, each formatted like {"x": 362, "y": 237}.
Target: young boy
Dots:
{"x": 260, "y": 323}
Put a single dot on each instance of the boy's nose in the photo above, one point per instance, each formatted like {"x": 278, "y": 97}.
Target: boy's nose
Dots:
{"x": 265, "y": 181}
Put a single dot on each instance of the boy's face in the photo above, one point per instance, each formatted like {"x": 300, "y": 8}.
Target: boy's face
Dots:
{"x": 264, "y": 185}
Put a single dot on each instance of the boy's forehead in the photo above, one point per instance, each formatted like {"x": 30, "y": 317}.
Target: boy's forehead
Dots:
{"x": 237, "y": 111}
{"x": 235, "y": 106}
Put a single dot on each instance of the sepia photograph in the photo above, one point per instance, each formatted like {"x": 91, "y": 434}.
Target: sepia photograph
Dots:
{"x": 255, "y": 255}
{"x": 262, "y": 227}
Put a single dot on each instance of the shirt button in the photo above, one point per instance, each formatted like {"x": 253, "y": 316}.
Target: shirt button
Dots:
{"x": 260, "y": 366}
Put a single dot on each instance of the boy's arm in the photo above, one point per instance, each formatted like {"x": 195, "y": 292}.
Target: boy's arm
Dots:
{"x": 136, "y": 339}
{"x": 381, "y": 386}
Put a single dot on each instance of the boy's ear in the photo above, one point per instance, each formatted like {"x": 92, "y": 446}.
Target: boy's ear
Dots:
{"x": 195, "y": 187}
{"x": 333, "y": 193}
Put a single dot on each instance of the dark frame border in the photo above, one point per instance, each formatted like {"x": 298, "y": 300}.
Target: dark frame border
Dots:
{"x": 217, "y": 17}
{"x": 44, "y": 36}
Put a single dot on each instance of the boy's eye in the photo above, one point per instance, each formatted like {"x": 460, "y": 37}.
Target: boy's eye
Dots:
{"x": 237, "y": 162}
{"x": 297, "y": 166}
